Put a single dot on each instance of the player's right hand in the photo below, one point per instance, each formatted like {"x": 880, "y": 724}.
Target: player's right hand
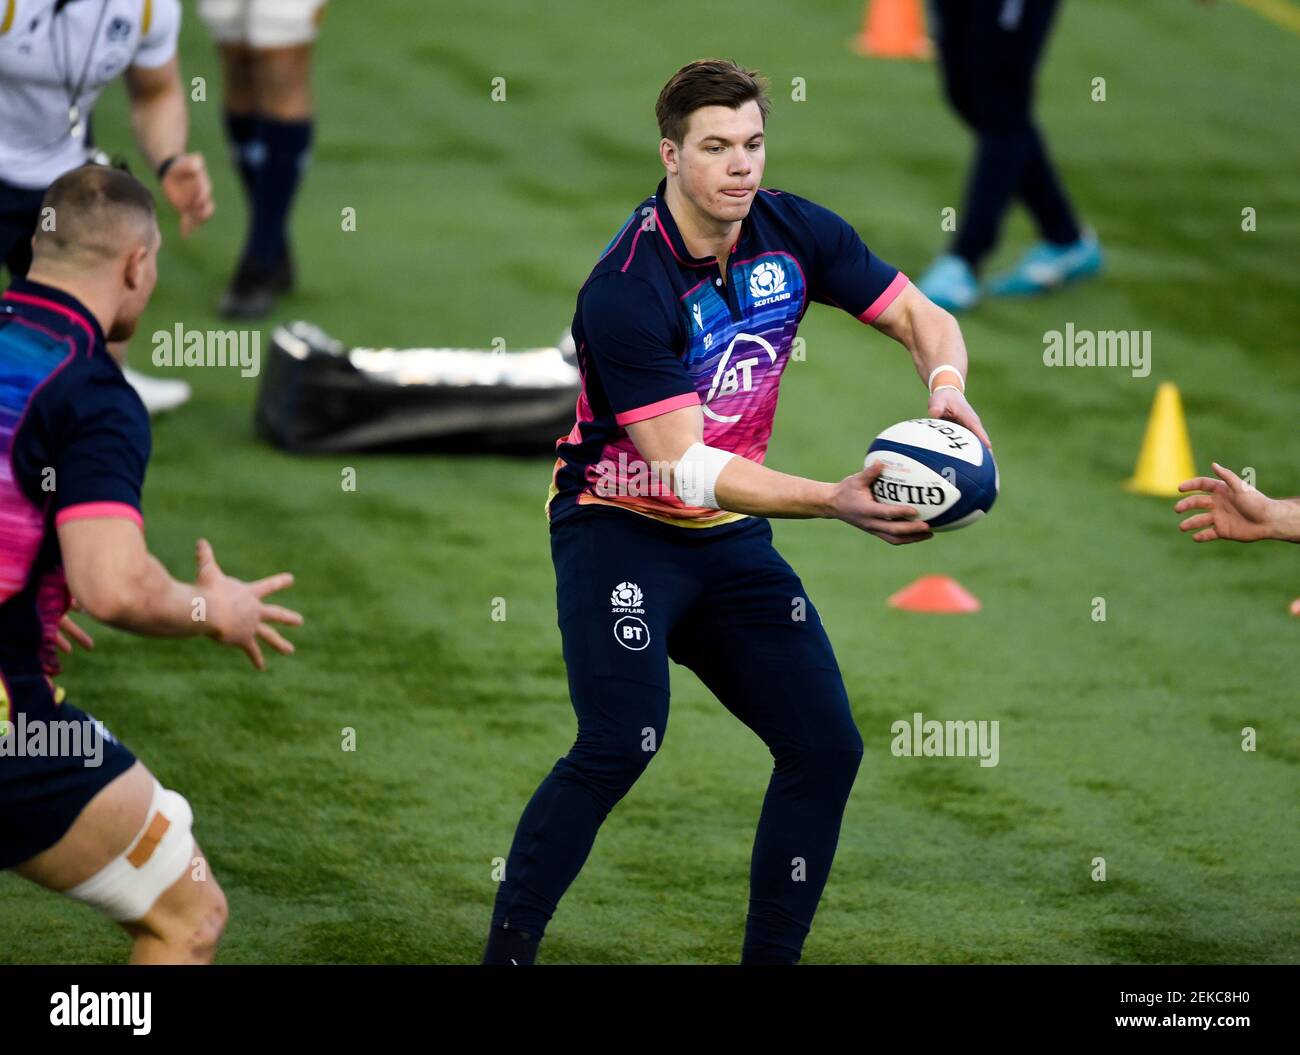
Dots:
{"x": 235, "y": 612}
{"x": 1235, "y": 511}
{"x": 854, "y": 502}
{"x": 187, "y": 186}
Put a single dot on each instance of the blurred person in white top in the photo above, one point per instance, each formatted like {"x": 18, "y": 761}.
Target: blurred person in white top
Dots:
{"x": 56, "y": 57}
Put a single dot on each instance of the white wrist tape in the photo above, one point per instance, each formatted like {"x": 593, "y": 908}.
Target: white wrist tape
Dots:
{"x": 126, "y": 888}
{"x": 942, "y": 387}
{"x": 940, "y": 369}
{"x": 697, "y": 474}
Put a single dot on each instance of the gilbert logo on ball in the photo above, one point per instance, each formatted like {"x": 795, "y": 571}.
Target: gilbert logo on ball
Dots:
{"x": 938, "y": 467}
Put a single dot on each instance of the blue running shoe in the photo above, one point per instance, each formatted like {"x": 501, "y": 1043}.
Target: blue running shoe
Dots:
{"x": 950, "y": 283}
{"x": 1047, "y": 266}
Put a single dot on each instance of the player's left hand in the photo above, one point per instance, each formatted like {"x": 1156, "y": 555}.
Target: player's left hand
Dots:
{"x": 951, "y": 405}
{"x": 69, "y": 629}
{"x": 187, "y": 186}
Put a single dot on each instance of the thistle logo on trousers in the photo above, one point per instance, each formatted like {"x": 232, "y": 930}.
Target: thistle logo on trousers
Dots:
{"x": 626, "y": 597}
{"x": 630, "y": 631}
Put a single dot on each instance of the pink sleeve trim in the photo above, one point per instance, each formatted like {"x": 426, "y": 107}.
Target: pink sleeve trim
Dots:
{"x": 885, "y": 299}
{"x": 83, "y": 510}
{"x": 653, "y": 410}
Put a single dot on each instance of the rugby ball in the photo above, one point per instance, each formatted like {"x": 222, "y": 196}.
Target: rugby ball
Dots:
{"x": 939, "y": 468}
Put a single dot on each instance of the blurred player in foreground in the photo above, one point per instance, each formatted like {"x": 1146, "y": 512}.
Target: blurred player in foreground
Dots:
{"x": 989, "y": 51}
{"x": 1237, "y": 512}
{"x": 78, "y": 814}
{"x": 659, "y": 500}
{"x": 266, "y": 50}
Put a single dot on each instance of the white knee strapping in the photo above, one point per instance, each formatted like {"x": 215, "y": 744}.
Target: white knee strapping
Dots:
{"x": 126, "y": 888}
{"x": 225, "y": 19}
{"x": 262, "y": 23}
{"x": 697, "y": 474}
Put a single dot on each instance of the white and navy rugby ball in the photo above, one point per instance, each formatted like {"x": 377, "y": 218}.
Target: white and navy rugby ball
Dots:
{"x": 938, "y": 467}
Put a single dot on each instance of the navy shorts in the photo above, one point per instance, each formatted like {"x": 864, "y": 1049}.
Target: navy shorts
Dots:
{"x": 20, "y": 211}
{"x": 54, "y": 758}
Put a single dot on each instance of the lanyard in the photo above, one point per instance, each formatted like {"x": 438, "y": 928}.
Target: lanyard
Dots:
{"x": 76, "y": 126}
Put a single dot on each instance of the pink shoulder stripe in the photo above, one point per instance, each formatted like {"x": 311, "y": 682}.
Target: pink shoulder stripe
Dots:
{"x": 41, "y": 302}
{"x": 631, "y": 252}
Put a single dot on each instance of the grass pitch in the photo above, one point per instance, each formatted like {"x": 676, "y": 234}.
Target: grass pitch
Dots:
{"x": 478, "y": 219}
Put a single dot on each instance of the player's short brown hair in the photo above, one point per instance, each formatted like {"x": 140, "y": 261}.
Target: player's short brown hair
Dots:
{"x": 91, "y": 207}
{"x": 707, "y": 82}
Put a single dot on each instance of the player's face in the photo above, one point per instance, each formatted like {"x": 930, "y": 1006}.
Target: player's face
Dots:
{"x": 142, "y": 270}
{"x": 720, "y": 163}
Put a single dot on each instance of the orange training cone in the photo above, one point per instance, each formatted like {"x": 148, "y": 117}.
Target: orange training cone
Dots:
{"x": 935, "y": 593}
{"x": 1165, "y": 460}
{"x": 893, "y": 29}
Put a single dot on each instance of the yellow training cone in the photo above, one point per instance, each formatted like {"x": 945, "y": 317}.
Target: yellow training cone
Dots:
{"x": 1165, "y": 460}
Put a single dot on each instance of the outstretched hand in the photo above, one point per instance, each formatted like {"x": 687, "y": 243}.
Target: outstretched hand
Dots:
{"x": 236, "y": 613}
{"x": 1234, "y": 510}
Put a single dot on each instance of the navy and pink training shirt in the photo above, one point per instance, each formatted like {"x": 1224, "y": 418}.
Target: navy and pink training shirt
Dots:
{"x": 657, "y": 329}
{"x": 74, "y": 442}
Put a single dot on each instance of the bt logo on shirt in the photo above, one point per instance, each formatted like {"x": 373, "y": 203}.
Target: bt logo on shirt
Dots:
{"x": 734, "y": 374}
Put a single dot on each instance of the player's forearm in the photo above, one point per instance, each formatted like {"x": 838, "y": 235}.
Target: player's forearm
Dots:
{"x": 747, "y": 487}
{"x": 928, "y": 332}
{"x": 935, "y": 341}
{"x": 1284, "y": 519}
{"x": 149, "y": 601}
{"x": 160, "y": 122}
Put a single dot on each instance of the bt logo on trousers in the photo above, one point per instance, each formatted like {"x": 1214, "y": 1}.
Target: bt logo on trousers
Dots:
{"x": 734, "y": 374}
{"x": 630, "y": 631}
